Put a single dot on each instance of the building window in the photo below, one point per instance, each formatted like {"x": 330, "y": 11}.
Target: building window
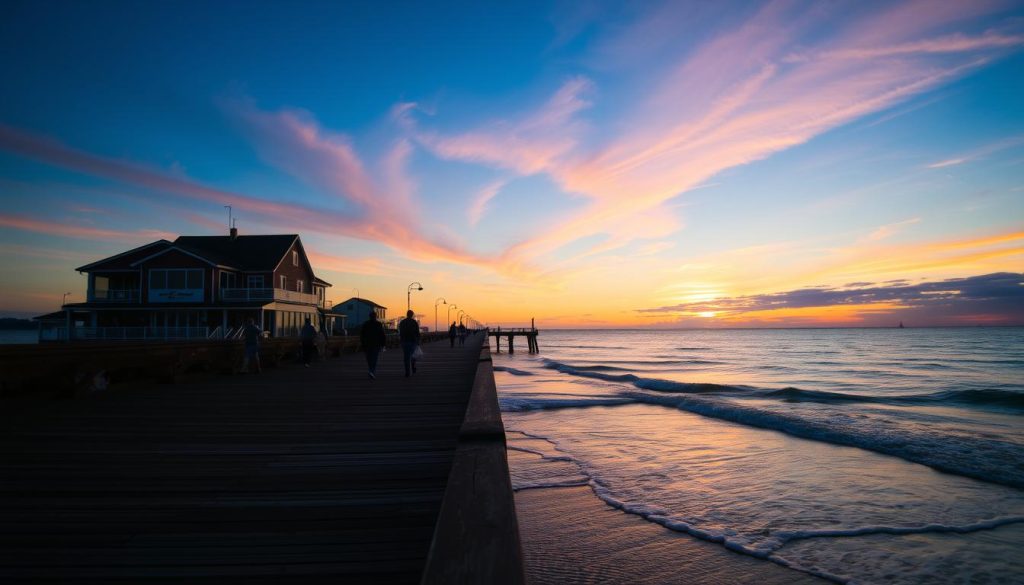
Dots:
{"x": 295, "y": 258}
{"x": 227, "y": 280}
{"x": 176, "y": 278}
{"x": 255, "y": 281}
{"x": 299, "y": 286}
{"x": 284, "y": 282}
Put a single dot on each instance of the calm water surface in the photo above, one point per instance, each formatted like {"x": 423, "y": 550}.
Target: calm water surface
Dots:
{"x": 859, "y": 455}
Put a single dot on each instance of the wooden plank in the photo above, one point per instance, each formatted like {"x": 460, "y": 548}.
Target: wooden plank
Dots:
{"x": 477, "y": 534}
{"x": 294, "y": 474}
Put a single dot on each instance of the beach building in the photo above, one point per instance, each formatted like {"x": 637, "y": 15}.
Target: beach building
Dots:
{"x": 196, "y": 287}
{"x": 356, "y": 311}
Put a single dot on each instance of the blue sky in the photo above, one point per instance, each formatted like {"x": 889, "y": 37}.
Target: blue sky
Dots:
{"x": 582, "y": 163}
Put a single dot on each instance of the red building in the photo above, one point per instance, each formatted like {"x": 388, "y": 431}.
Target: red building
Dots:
{"x": 197, "y": 287}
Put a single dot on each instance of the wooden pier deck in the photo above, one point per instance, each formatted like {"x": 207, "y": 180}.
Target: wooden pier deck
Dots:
{"x": 530, "y": 333}
{"x": 294, "y": 475}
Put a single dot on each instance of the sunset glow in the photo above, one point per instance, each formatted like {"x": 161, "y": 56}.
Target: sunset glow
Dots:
{"x": 588, "y": 165}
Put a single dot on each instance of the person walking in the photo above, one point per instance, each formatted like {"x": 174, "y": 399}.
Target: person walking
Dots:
{"x": 409, "y": 335}
{"x": 252, "y": 335}
{"x": 462, "y": 334}
{"x": 452, "y": 332}
{"x": 308, "y": 337}
{"x": 373, "y": 340}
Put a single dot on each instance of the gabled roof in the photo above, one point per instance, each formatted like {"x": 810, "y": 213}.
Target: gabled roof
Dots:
{"x": 242, "y": 253}
{"x": 359, "y": 300}
{"x": 124, "y": 260}
{"x": 249, "y": 253}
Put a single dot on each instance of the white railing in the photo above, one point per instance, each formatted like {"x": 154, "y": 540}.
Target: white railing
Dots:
{"x": 115, "y": 296}
{"x": 239, "y": 295}
{"x": 246, "y": 294}
{"x": 124, "y": 333}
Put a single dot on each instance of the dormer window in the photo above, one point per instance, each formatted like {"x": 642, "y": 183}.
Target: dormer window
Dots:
{"x": 295, "y": 258}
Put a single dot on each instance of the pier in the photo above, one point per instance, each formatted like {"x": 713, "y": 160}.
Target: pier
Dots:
{"x": 530, "y": 333}
{"x": 293, "y": 475}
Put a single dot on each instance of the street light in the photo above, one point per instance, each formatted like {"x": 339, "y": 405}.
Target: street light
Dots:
{"x": 63, "y": 299}
{"x": 448, "y": 318}
{"x": 435, "y": 310}
{"x": 408, "y": 294}
{"x": 461, "y": 313}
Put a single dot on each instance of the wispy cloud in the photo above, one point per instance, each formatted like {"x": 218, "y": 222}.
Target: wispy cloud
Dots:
{"x": 483, "y": 197}
{"x": 888, "y": 230}
{"x": 80, "y": 232}
{"x": 978, "y": 153}
{"x": 328, "y": 162}
{"x": 739, "y": 97}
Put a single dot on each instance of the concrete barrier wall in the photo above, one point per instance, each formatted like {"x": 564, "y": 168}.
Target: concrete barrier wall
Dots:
{"x": 476, "y": 539}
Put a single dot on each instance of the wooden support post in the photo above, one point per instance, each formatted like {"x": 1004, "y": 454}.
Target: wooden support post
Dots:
{"x": 511, "y": 344}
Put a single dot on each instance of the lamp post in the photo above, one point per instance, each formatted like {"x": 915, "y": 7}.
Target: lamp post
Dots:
{"x": 448, "y": 318}
{"x": 441, "y": 299}
{"x": 63, "y": 299}
{"x": 461, "y": 313}
{"x": 408, "y": 294}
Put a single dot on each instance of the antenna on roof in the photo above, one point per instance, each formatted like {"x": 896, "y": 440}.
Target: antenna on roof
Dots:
{"x": 231, "y": 222}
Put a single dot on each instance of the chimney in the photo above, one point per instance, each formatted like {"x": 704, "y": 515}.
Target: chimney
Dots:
{"x": 234, "y": 233}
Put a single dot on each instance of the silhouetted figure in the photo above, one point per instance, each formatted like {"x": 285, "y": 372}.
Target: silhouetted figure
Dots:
{"x": 462, "y": 334}
{"x": 452, "y": 332}
{"x": 409, "y": 335}
{"x": 373, "y": 340}
{"x": 308, "y": 337}
{"x": 252, "y": 345}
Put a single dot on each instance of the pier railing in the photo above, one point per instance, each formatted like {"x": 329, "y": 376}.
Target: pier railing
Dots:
{"x": 476, "y": 539}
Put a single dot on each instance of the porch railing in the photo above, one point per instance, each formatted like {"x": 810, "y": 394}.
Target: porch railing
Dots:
{"x": 129, "y": 295}
{"x": 241, "y": 295}
{"x": 123, "y": 333}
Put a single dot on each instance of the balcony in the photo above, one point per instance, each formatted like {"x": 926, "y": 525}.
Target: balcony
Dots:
{"x": 241, "y": 295}
{"x": 114, "y": 296}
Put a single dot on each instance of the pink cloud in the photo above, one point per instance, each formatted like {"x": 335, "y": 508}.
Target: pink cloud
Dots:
{"x": 319, "y": 157}
{"x": 737, "y": 98}
{"x": 81, "y": 232}
{"x": 483, "y": 197}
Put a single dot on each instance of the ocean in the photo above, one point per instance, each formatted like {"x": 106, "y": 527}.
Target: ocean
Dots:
{"x": 856, "y": 455}
{"x": 9, "y": 336}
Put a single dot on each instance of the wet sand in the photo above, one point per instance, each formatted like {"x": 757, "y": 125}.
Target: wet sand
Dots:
{"x": 570, "y": 536}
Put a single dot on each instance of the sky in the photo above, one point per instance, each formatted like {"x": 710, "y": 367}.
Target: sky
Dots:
{"x": 586, "y": 164}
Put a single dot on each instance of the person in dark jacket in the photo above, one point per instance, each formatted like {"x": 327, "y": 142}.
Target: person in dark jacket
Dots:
{"x": 252, "y": 335}
{"x": 409, "y": 335}
{"x": 373, "y": 340}
{"x": 308, "y": 337}
{"x": 452, "y": 332}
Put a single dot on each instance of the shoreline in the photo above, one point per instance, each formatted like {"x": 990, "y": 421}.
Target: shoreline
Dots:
{"x": 569, "y": 535}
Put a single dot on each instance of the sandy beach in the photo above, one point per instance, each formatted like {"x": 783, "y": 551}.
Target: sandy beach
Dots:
{"x": 570, "y": 536}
